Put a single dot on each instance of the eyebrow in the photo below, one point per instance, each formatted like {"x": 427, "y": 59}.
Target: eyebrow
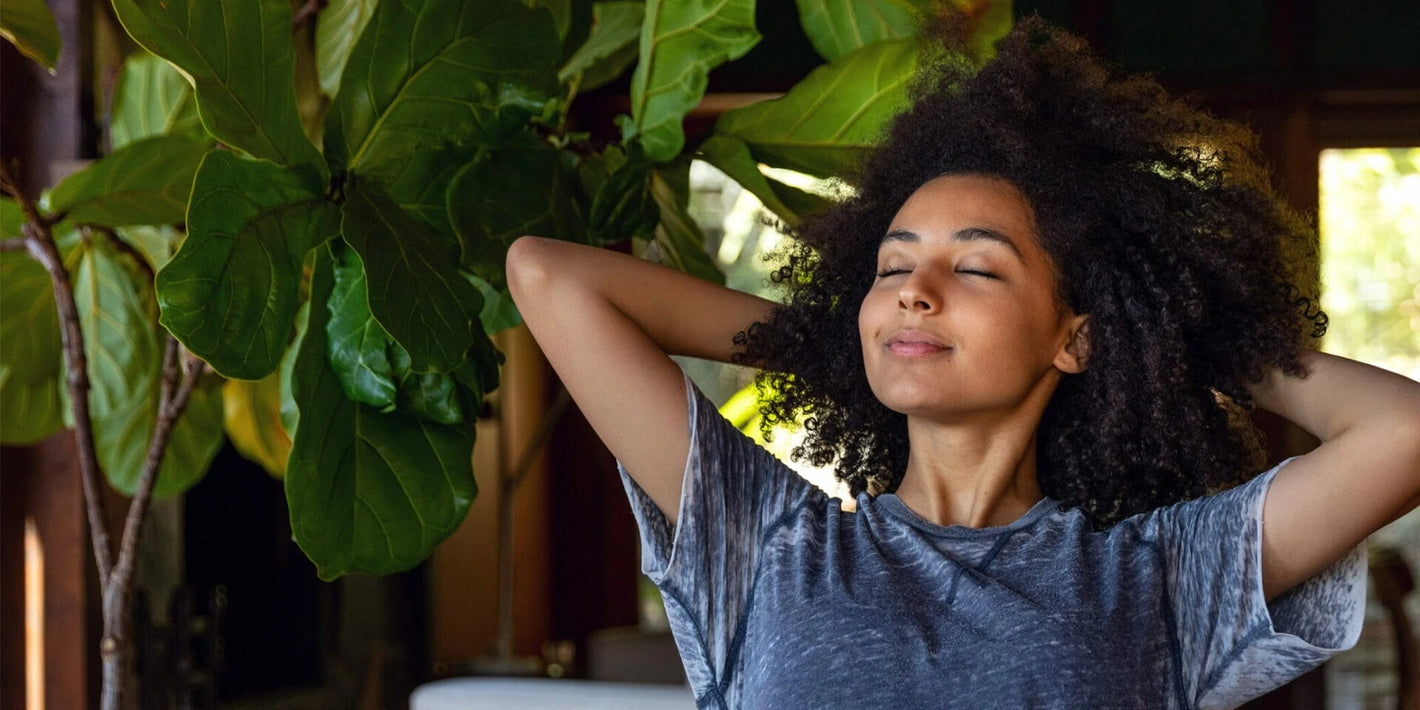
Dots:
{"x": 966, "y": 234}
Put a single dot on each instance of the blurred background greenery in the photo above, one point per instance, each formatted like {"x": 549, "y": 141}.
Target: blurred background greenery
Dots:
{"x": 1370, "y": 264}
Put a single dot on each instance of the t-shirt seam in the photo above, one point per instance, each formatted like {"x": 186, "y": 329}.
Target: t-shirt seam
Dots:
{"x": 742, "y": 624}
{"x": 995, "y": 550}
{"x": 899, "y": 511}
{"x": 1258, "y": 630}
{"x": 1170, "y": 624}
{"x": 702, "y": 701}
{"x": 669, "y": 592}
{"x": 1261, "y": 627}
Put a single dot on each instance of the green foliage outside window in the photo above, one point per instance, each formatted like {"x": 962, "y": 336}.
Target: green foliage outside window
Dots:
{"x": 1370, "y": 265}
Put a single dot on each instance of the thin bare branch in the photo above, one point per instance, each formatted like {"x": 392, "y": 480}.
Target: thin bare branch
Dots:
{"x": 13, "y": 244}
{"x": 544, "y": 430}
{"x": 123, "y": 246}
{"x": 306, "y": 12}
{"x": 39, "y": 242}
{"x": 9, "y": 186}
{"x": 175, "y": 389}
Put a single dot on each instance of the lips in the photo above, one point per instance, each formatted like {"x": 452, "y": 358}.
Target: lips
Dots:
{"x": 915, "y": 343}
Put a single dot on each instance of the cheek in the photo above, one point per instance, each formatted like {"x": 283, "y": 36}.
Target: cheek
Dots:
{"x": 869, "y": 324}
{"x": 1028, "y": 336}
{"x": 865, "y": 318}
{"x": 1006, "y": 335}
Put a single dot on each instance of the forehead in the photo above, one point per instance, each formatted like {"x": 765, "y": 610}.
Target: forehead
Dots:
{"x": 951, "y": 202}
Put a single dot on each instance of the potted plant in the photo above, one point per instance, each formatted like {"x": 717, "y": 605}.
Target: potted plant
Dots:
{"x": 313, "y": 207}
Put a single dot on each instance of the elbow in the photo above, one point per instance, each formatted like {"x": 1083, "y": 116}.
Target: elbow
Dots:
{"x": 527, "y": 268}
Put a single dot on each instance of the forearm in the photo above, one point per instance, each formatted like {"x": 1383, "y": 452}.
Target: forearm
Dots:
{"x": 681, "y": 314}
{"x": 1340, "y": 395}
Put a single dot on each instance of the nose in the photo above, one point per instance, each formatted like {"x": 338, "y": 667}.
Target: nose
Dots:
{"x": 916, "y": 295}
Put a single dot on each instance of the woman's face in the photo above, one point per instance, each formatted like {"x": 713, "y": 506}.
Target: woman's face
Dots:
{"x": 962, "y": 317}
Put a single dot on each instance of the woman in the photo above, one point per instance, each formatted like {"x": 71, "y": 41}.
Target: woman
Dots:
{"x": 1028, "y": 343}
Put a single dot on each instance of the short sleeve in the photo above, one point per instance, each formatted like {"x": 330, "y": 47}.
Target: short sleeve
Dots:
{"x": 1232, "y": 645}
{"x": 732, "y": 492}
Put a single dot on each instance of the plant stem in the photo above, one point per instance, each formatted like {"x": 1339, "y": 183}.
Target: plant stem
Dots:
{"x": 507, "y": 487}
{"x": 178, "y": 382}
{"x": 124, "y": 247}
{"x": 176, "y": 388}
{"x": 39, "y": 242}
{"x": 306, "y": 12}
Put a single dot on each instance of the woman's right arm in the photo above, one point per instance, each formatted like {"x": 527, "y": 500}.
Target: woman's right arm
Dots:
{"x": 607, "y": 322}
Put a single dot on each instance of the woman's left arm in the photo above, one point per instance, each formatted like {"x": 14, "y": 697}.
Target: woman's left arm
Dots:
{"x": 1365, "y": 473}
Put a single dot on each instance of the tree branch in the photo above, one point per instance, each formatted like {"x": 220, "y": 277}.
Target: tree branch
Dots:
{"x": 39, "y": 242}
{"x": 175, "y": 389}
{"x": 12, "y": 188}
{"x": 13, "y": 244}
{"x": 544, "y": 430}
{"x": 307, "y": 12}
{"x": 126, "y": 248}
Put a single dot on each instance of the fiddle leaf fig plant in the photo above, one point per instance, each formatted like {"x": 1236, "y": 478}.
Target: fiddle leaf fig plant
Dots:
{"x": 297, "y": 236}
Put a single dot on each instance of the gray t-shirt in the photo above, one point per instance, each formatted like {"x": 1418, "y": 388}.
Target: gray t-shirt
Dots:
{"x": 778, "y": 598}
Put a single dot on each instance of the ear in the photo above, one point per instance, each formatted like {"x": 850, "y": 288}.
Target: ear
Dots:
{"x": 1074, "y": 355}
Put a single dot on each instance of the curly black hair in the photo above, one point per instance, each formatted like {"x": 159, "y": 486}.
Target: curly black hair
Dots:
{"x": 1162, "y": 227}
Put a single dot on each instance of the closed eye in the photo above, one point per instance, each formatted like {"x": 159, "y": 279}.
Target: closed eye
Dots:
{"x": 891, "y": 272}
{"x": 974, "y": 272}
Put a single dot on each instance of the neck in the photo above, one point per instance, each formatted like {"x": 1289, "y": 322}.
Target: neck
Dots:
{"x": 978, "y": 471}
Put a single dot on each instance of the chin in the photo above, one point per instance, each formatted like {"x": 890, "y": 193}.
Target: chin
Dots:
{"x": 919, "y": 404}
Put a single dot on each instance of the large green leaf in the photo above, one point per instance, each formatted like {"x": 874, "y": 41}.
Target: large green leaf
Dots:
{"x": 230, "y": 293}
{"x": 823, "y": 125}
{"x": 368, "y": 492}
{"x": 240, "y": 62}
{"x": 561, "y": 11}
{"x": 732, "y": 157}
{"x": 837, "y": 28}
{"x": 499, "y": 312}
{"x": 621, "y": 207}
{"x": 119, "y": 321}
{"x": 156, "y": 243}
{"x": 31, "y": 352}
{"x": 610, "y": 48}
{"x": 359, "y": 346}
{"x": 415, "y": 289}
{"x": 429, "y": 74}
{"x": 419, "y": 182}
{"x": 30, "y": 26}
{"x": 145, "y": 182}
{"x": 151, "y": 98}
{"x": 517, "y": 189}
{"x": 122, "y": 440}
{"x": 434, "y": 396}
{"x": 124, "y": 348}
{"x": 681, "y": 243}
{"x": 681, "y": 41}
{"x": 593, "y": 169}
{"x": 337, "y": 28}
{"x": 372, "y": 368}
